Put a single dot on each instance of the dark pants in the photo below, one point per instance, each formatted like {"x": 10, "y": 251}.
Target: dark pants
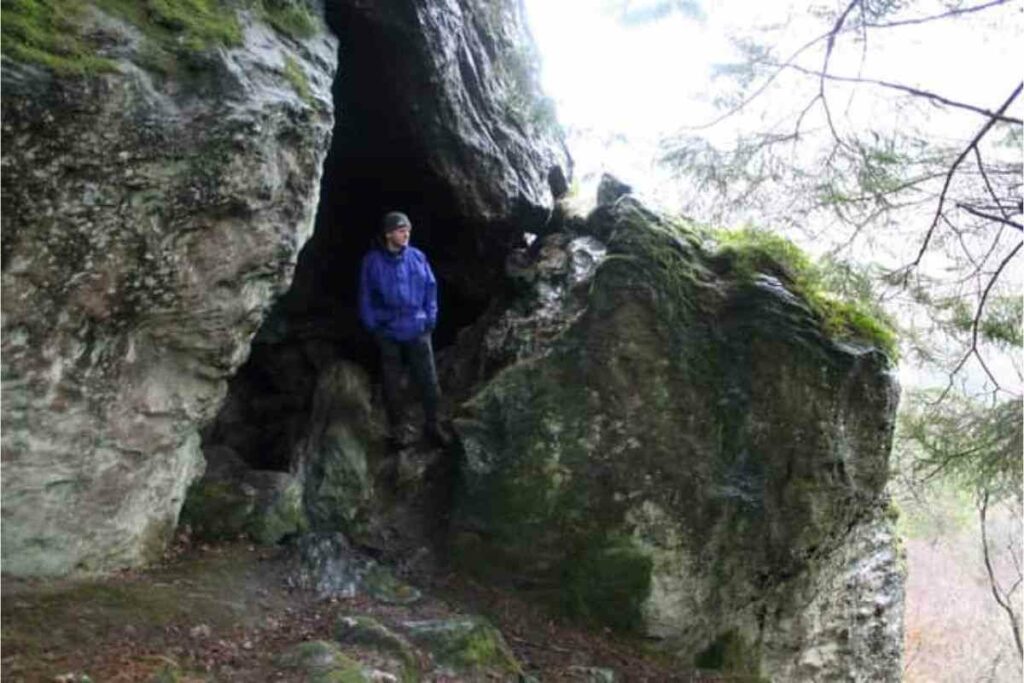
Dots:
{"x": 419, "y": 354}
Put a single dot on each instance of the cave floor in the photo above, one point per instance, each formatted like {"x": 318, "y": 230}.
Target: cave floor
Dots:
{"x": 224, "y": 613}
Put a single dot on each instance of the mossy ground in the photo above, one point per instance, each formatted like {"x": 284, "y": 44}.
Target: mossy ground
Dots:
{"x": 223, "y": 613}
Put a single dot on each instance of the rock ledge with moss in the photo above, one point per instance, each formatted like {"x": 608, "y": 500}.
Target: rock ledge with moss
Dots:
{"x": 696, "y": 454}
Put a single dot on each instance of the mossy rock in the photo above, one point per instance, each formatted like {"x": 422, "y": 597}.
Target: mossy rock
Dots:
{"x": 217, "y": 510}
{"x": 468, "y": 646}
{"x": 266, "y": 506}
{"x": 368, "y": 632}
{"x": 607, "y": 582}
{"x": 691, "y": 439}
{"x": 279, "y": 511}
{"x": 731, "y": 654}
{"x": 381, "y": 585}
{"x": 57, "y": 34}
{"x": 322, "y": 662}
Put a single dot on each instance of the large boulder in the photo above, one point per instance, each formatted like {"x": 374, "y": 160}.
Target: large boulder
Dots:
{"x": 159, "y": 177}
{"x": 691, "y": 457}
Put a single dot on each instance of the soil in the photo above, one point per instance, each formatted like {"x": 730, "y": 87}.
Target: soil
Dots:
{"x": 224, "y": 612}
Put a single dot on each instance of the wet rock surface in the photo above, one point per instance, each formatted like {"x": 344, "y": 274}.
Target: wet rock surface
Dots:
{"x": 148, "y": 223}
{"x": 689, "y": 456}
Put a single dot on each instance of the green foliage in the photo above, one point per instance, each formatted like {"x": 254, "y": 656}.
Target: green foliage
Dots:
{"x": 636, "y": 14}
{"x": 290, "y": 17}
{"x": 753, "y": 251}
{"x": 939, "y": 508}
{"x": 525, "y": 99}
{"x": 1000, "y": 322}
{"x": 46, "y": 32}
{"x": 977, "y": 445}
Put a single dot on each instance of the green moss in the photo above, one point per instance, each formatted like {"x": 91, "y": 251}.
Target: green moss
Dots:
{"x": 216, "y": 510}
{"x": 284, "y": 516}
{"x": 368, "y": 632}
{"x": 46, "y": 32}
{"x": 753, "y": 251}
{"x": 322, "y": 662}
{"x": 468, "y": 645}
{"x": 191, "y": 25}
{"x": 297, "y": 77}
{"x": 730, "y": 653}
{"x": 52, "y": 33}
{"x": 382, "y": 585}
{"x": 290, "y": 17}
{"x": 607, "y": 582}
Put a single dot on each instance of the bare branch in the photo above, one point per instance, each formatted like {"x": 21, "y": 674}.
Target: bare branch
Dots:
{"x": 764, "y": 86}
{"x": 916, "y": 92}
{"x": 988, "y": 185}
{"x": 992, "y": 581}
{"x": 824, "y": 68}
{"x": 988, "y": 288}
{"x": 952, "y": 171}
{"x": 935, "y": 17}
{"x": 989, "y": 217}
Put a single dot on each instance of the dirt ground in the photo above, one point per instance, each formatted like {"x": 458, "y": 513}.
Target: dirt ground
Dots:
{"x": 224, "y": 612}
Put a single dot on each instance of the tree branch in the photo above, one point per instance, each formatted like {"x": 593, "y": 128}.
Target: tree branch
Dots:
{"x": 988, "y": 288}
{"x": 952, "y": 171}
{"x": 916, "y": 92}
{"x": 992, "y": 581}
{"x": 988, "y": 184}
{"x": 989, "y": 217}
{"x": 934, "y": 17}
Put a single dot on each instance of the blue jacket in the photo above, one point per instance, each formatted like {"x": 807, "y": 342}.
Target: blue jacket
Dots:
{"x": 397, "y": 294}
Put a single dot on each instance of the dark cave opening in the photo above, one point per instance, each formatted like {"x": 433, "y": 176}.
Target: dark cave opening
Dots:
{"x": 377, "y": 162}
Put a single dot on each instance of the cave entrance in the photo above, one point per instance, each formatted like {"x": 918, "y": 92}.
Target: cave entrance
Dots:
{"x": 376, "y": 163}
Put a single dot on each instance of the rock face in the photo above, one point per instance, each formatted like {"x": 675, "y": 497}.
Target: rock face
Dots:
{"x": 691, "y": 458}
{"x": 153, "y": 209}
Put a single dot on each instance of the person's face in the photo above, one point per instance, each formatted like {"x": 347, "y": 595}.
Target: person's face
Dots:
{"x": 398, "y": 238}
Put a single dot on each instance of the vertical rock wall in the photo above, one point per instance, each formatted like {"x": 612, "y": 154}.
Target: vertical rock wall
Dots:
{"x": 150, "y": 217}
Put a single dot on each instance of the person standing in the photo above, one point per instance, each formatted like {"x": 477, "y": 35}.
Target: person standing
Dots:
{"x": 398, "y": 306}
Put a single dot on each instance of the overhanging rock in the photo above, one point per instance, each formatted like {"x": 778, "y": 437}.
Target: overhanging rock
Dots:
{"x": 150, "y": 217}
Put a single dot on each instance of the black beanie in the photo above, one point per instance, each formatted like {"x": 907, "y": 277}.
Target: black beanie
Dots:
{"x": 394, "y": 220}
